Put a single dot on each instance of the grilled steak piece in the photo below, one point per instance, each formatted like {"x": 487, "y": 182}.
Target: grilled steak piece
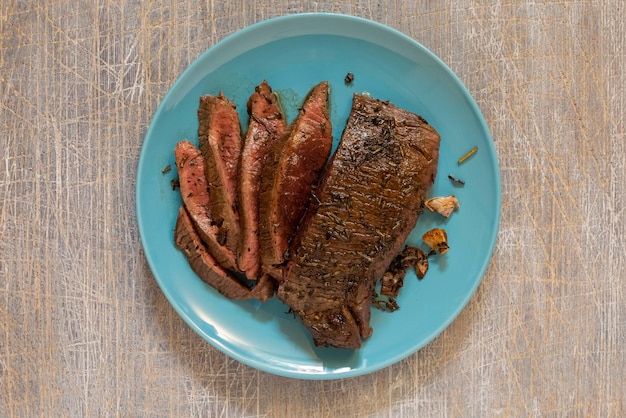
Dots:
{"x": 195, "y": 194}
{"x": 202, "y": 262}
{"x": 290, "y": 174}
{"x": 266, "y": 126}
{"x": 209, "y": 270}
{"x": 219, "y": 135}
{"x": 367, "y": 203}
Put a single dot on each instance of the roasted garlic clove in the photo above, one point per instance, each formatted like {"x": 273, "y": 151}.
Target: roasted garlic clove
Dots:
{"x": 437, "y": 239}
{"x": 415, "y": 257}
{"x": 443, "y": 205}
{"x": 410, "y": 256}
{"x": 391, "y": 282}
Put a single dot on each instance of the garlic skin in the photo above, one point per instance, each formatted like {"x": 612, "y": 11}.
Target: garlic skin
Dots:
{"x": 444, "y": 205}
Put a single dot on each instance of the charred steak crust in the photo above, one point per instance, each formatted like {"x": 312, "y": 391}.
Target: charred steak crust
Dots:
{"x": 219, "y": 135}
{"x": 266, "y": 126}
{"x": 291, "y": 172}
{"x": 208, "y": 269}
{"x": 368, "y": 201}
{"x": 195, "y": 195}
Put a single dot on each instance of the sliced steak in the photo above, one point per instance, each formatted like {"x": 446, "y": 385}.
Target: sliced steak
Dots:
{"x": 195, "y": 193}
{"x": 203, "y": 263}
{"x": 266, "y": 126}
{"x": 367, "y": 203}
{"x": 209, "y": 270}
{"x": 219, "y": 135}
{"x": 290, "y": 174}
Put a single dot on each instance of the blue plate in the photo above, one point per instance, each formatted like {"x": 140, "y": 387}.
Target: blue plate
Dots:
{"x": 293, "y": 53}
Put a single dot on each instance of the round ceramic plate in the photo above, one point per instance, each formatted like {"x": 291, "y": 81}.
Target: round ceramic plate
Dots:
{"x": 293, "y": 53}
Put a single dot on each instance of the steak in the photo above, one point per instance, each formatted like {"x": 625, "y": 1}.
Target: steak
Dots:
{"x": 266, "y": 126}
{"x": 368, "y": 201}
{"x": 290, "y": 174}
{"x": 219, "y": 135}
{"x": 209, "y": 270}
{"x": 195, "y": 194}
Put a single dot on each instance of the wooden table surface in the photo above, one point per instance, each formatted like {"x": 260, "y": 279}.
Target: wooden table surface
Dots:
{"x": 85, "y": 329}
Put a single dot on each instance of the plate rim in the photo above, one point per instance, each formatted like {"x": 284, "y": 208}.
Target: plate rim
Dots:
{"x": 352, "y": 372}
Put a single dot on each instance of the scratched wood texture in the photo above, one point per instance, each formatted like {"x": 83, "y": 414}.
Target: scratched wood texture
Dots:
{"x": 84, "y": 328}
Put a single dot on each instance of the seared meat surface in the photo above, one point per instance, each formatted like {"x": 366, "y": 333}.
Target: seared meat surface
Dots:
{"x": 273, "y": 206}
{"x": 366, "y": 205}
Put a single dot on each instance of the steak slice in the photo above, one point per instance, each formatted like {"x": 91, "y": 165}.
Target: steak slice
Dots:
{"x": 290, "y": 174}
{"x": 195, "y": 193}
{"x": 209, "y": 270}
{"x": 266, "y": 126}
{"x": 219, "y": 135}
{"x": 368, "y": 202}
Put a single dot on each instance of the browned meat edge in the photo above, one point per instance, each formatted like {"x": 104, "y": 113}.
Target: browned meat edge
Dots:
{"x": 290, "y": 174}
{"x": 219, "y": 135}
{"x": 266, "y": 126}
{"x": 367, "y": 203}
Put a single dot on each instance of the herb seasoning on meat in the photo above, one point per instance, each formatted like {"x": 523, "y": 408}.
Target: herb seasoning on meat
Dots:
{"x": 370, "y": 197}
